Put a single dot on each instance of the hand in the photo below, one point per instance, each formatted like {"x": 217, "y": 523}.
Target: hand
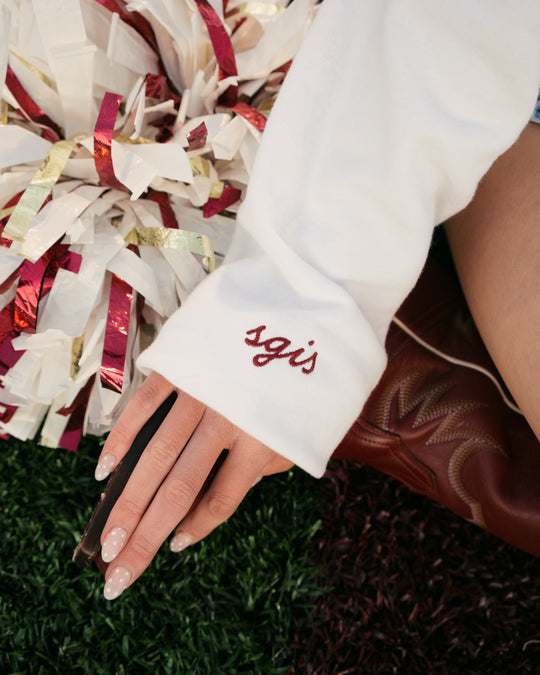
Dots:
{"x": 163, "y": 488}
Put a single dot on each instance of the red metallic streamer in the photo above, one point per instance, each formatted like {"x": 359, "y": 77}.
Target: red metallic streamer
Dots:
{"x": 8, "y": 283}
{"x": 62, "y": 259}
{"x": 251, "y": 114}
{"x": 284, "y": 68}
{"x": 6, "y": 416}
{"x": 36, "y": 281}
{"x": 238, "y": 24}
{"x": 112, "y": 6}
{"x": 133, "y": 19}
{"x": 167, "y": 214}
{"x": 116, "y": 335}
{"x": 166, "y": 128}
{"x": 103, "y": 134}
{"x": 8, "y": 355}
{"x": 30, "y": 107}
{"x": 6, "y": 322}
{"x": 8, "y": 413}
{"x": 197, "y": 137}
{"x": 28, "y": 294}
{"x": 77, "y": 411}
{"x": 229, "y": 196}
{"x": 13, "y": 202}
{"x": 157, "y": 86}
{"x": 223, "y": 49}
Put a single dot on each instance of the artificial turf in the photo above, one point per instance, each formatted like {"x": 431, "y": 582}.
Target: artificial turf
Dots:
{"x": 413, "y": 588}
{"x": 387, "y": 583}
{"x": 227, "y": 605}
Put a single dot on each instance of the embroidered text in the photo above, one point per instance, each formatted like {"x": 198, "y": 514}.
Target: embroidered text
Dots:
{"x": 276, "y": 348}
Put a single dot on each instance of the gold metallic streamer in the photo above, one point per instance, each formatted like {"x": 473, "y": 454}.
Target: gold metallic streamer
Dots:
{"x": 35, "y": 70}
{"x": 76, "y": 353}
{"x": 6, "y": 212}
{"x": 4, "y": 110}
{"x": 216, "y": 190}
{"x": 39, "y": 189}
{"x": 140, "y": 140}
{"x": 200, "y": 166}
{"x": 268, "y": 105}
{"x": 164, "y": 237}
{"x": 261, "y": 8}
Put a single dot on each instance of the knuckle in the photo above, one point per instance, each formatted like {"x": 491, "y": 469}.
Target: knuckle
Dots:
{"x": 162, "y": 453}
{"x": 222, "y": 425}
{"x": 181, "y": 492}
{"x": 221, "y": 505}
{"x": 129, "y": 507}
{"x": 142, "y": 546}
{"x": 146, "y": 396}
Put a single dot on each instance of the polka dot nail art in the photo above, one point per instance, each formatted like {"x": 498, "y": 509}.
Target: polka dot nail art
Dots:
{"x": 117, "y": 583}
{"x": 113, "y": 544}
{"x": 105, "y": 466}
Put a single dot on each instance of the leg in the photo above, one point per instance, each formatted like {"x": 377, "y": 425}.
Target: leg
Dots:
{"x": 495, "y": 242}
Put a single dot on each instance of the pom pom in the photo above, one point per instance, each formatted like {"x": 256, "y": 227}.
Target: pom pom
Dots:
{"x": 127, "y": 143}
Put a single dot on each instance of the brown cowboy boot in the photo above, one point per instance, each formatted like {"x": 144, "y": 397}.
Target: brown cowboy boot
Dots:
{"x": 444, "y": 429}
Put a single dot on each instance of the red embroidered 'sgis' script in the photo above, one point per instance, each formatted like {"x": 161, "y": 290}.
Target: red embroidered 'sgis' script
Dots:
{"x": 276, "y": 348}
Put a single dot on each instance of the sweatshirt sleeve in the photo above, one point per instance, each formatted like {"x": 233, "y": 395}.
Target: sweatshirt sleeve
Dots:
{"x": 391, "y": 114}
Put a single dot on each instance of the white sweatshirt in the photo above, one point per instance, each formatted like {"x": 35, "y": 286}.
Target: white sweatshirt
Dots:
{"x": 391, "y": 114}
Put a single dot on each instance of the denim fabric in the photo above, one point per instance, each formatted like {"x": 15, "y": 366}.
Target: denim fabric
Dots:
{"x": 536, "y": 114}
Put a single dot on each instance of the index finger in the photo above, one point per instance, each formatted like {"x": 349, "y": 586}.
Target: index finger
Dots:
{"x": 144, "y": 403}
{"x": 90, "y": 542}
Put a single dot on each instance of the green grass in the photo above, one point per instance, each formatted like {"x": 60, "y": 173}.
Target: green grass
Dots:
{"x": 225, "y": 606}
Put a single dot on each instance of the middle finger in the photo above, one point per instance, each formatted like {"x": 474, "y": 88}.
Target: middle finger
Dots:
{"x": 154, "y": 464}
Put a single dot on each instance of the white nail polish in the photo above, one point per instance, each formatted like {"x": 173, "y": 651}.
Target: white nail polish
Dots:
{"x": 113, "y": 544}
{"x": 180, "y": 541}
{"x": 105, "y": 466}
{"x": 117, "y": 583}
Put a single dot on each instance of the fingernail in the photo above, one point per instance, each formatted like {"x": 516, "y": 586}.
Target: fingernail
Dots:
{"x": 113, "y": 544}
{"x": 117, "y": 583}
{"x": 180, "y": 541}
{"x": 105, "y": 466}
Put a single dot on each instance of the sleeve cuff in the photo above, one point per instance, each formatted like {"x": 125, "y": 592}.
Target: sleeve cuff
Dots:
{"x": 280, "y": 374}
